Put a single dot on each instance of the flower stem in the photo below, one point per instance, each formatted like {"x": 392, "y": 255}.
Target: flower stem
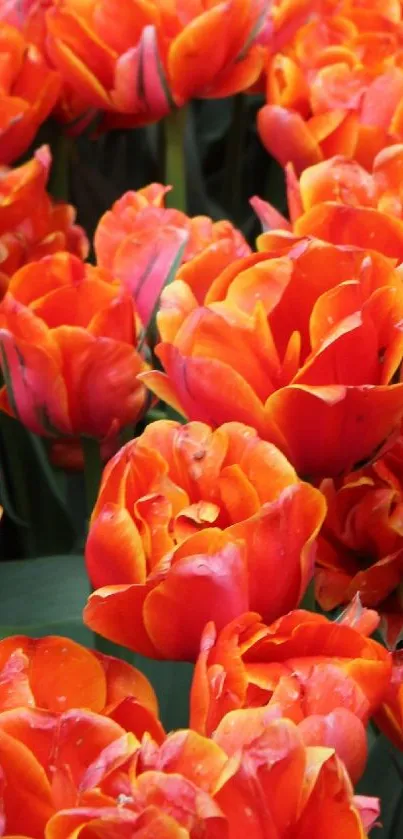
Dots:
{"x": 175, "y": 162}
{"x": 59, "y": 186}
{"x": 92, "y": 470}
{"x": 234, "y": 156}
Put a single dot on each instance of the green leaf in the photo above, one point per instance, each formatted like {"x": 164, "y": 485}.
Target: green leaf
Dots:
{"x": 34, "y": 495}
{"x": 383, "y": 779}
{"x": 44, "y": 596}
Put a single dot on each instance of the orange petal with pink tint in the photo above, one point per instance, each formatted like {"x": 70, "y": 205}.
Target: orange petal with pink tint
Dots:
{"x": 287, "y": 137}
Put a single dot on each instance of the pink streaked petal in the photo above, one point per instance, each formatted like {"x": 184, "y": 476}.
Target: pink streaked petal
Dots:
{"x": 146, "y": 268}
{"x": 140, "y": 86}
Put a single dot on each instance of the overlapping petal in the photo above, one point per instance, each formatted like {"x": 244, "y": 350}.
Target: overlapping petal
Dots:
{"x": 221, "y": 789}
{"x": 29, "y": 89}
{"x": 68, "y": 337}
{"x": 360, "y": 547}
{"x": 258, "y": 351}
{"x": 152, "y": 57}
{"x": 328, "y": 678}
{"x": 339, "y": 201}
{"x": 31, "y": 225}
{"x": 335, "y": 88}
{"x": 188, "y": 526}
{"x": 57, "y": 675}
{"x": 141, "y": 242}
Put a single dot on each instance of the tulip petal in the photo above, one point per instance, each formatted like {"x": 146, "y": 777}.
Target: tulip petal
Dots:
{"x": 116, "y": 613}
{"x": 94, "y": 367}
{"x": 190, "y": 74}
{"x": 210, "y": 390}
{"x": 196, "y": 588}
{"x": 140, "y": 86}
{"x": 363, "y": 417}
{"x": 283, "y": 528}
{"x": 63, "y": 675}
{"x": 342, "y": 731}
{"x": 26, "y": 793}
{"x": 35, "y": 388}
{"x": 114, "y": 549}
{"x": 362, "y": 227}
{"x": 163, "y": 388}
{"x": 145, "y": 268}
{"x": 269, "y": 217}
{"x": 287, "y": 137}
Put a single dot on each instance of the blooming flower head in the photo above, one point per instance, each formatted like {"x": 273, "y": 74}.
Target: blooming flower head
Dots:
{"x": 328, "y": 678}
{"x": 148, "y": 56}
{"x": 361, "y": 543}
{"x": 140, "y": 238}
{"x": 31, "y": 224}
{"x": 70, "y": 720}
{"x": 224, "y": 788}
{"x": 259, "y": 351}
{"x": 339, "y": 201}
{"x": 69, "y": 359}
{"x": 29, "y": 90}
{"x": 191, "y": 525}
{"x": 337, "y": 88}
{"x": 57, "y": 675}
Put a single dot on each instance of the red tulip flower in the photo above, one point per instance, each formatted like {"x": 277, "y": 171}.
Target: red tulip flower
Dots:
{"x": 31, "y": 224}
{"x": 337, "y": 87}
{"x": 139, "y": 58}
{"x": 69, "y": 359}
{"x": 361, "y": 543}
{"x": 339, "y": 201}
{"x": 190, "y": 525}
{"x": 139, "y": 238}
{"x": 226, "y": 788}
{"x": 259, "y": 351}
{"x": 328, "y": 678}
{"x": 57, "y": 675}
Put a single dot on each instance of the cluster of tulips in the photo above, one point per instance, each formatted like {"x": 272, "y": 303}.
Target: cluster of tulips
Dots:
{"x": 256, "y": 528}
{"x": 276, "y": 735}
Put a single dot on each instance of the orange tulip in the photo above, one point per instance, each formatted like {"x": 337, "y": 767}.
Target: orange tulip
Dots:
{"x": 69, "y": 723}
{"x": 188, "y": 525}
{"x": 328, "y": 678}
{"x": 56, "y": 674}
{"x": 253, "y": 780}
{"x": 259, "y": 352}
{"x": 339, "y": 201}
{"x": 138, "y": 236}
{"x": 68, "y": 337}
{"x": 337, "y": 88}
{"x": 29, "y": 16}
{"x": 29, "y": 90}
{"x": 361, "y": 542}
{"x": 390, "y": 716}
{"x": 138, "y": 58}
{"x": 51, "y": 761}
{"x": 31, "y": 225}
